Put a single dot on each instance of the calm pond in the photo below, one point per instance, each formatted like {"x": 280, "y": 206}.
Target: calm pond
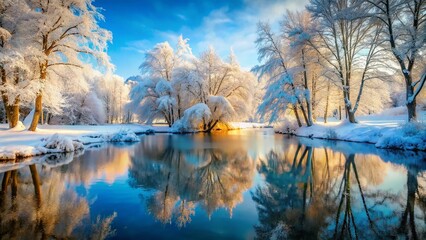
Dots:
{"x": 236, "y": 185}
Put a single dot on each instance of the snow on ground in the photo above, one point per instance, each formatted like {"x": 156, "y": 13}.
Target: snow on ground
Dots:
{"x": 246, "y": 125}
{"x": 20, "y": 143}
{"x": 385, "y": 131}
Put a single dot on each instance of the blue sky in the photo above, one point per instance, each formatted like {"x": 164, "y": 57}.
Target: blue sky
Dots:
{"x": 137, "y": 25}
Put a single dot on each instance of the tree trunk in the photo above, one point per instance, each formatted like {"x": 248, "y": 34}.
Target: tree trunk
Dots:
{"x": 42, "y": 117}
{"x": 299, "y": 123}
{"x": 179, "y": 107}
{"x": 172, "y": 114}
{"x": 14, "y": 113}
{"x": 302, "y": 108}
{"x": 327, "y": 103}
{"x": 37, "y": 112}
{"x": 6, "y": 108}
{"x": 14, "y": 109}
{"x": 47, "y": 118}
{"x": 313, "y": 97}
{"x": 39, "y": 99}
{"x": 411, "y": 100}
{"x": 351, "y": 116}
{"x": 350, "y": 113}
{"x": 211, "y": 126}
{"x": 4, "y": 96}
{"x": 412, "y": 114}
{"x": 307, "y": 95}
{"x": 305, "y": 116}
{"x": 326, "y": 111}
{"x": 309, "y": 106}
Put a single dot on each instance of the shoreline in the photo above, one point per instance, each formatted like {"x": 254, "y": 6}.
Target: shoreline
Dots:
{"x": 19, "y": 144}
{"x": 404, "y": 137}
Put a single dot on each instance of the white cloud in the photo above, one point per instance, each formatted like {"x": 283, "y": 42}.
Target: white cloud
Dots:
{"x": 181, "y": 16}
{"x": 224, "y": 29}
{"x": 139, "y": 46}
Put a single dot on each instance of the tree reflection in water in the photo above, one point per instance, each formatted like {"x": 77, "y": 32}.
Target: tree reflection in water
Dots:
{"x": 298, "y": 189}
{"x": 43, "y": 207}
{"x": 183, "y": 178}
{"x": 415, "y": 195}
{"x": 313, "y": 193}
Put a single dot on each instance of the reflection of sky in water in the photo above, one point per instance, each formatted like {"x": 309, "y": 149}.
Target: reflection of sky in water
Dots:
{"x": 229, "y": 177}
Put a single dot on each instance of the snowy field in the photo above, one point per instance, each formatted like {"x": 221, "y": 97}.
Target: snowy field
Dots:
{"x": 19, "y": 143}
{"x": 385, "y": 131}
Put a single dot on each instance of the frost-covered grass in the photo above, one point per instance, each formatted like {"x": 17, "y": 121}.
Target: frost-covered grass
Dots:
{"x": 385, "y": 131}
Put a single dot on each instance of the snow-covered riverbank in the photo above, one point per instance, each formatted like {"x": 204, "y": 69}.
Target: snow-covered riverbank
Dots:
{"x": 384, "y": 131}
{"x": 20, "y": 143}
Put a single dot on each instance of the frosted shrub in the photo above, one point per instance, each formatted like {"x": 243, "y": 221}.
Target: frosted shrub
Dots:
{"x": 193, "y": 118}
{"x": 331, "y": 134}
{"x": 150, "y": 131}
{"x": 408, "y": 136}
{"x": 413, "y": 129}
{"x": 124, "y": 135}
{"x": 62, "y": 144}
{"x": 289, "y": 125}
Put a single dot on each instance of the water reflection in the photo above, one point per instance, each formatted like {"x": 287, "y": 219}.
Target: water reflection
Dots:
{"x": 318, "y": 193}
{"x": 237, "y": 186}
{"x": 183, "y": 177}
{"x": 41, "y": 206}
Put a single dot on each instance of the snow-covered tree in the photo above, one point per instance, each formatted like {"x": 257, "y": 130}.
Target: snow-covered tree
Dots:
{"x": 217, "y": 82}
{"x": 281, "y": 93}
{"x": 63, "y": 32}
{"x": 174, "y": 80}
{"x": 16, "y": 58}
{"x": 153, "y": 99}
{"x": 114, "y": 93}
{"x": 351, "y": 45}
{"x": 405, "y": 30}
{"x": 161, "y": 93}
{"x": 298, "y": 28}
{"x": 160, "y": 61}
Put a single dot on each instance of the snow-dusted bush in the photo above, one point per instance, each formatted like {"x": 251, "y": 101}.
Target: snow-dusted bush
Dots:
{"x": 60, "y": 143}
{"x": 150, "y": 131}
{"x": 220, "y": 108}
{"x": 410, "y": 136}
{"x": 193, "y": 118}
{"x": 124, "y": 135}
{"x": 289, "y": 125}
{"x": 331, "y": 134}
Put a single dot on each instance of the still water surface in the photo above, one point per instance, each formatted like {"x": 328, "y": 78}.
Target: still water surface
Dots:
{"x": 239, "y": 185}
